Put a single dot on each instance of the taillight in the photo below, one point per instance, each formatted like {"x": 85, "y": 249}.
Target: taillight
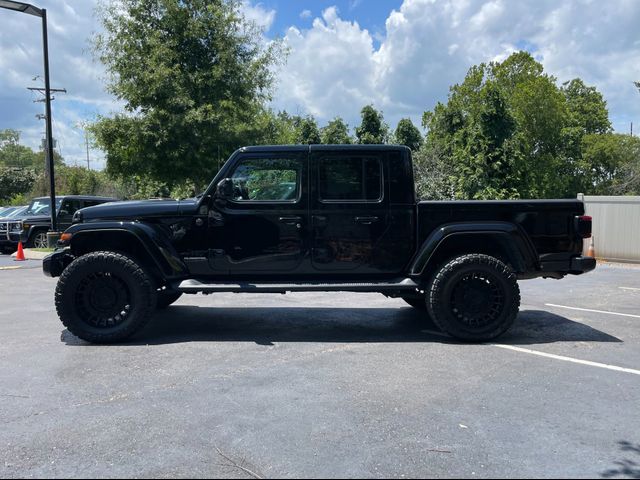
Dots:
{"x": 583, "y": 226}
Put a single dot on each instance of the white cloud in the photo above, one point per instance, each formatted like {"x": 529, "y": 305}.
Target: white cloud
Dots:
{"x": 259, "y": 14}
{"x": 306, "y": 14}
{"x": 333, "y": 68}
{"x": 71, "y": 65}
{"x": 336, "y": 66}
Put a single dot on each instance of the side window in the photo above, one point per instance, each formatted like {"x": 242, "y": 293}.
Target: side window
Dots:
{"x": 70, "y": 206}
{"x": 267, "y": 180}
{"x": 355, "y": 178}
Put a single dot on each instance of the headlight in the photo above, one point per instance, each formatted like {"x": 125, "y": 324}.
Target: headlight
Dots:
{"x": 16, "y": 227}
{"x": 77, "y": 217}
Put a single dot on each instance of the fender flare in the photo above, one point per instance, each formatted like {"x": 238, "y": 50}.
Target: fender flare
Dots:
{"x": 509, "y": 236}
{"x": 149, "y": 239}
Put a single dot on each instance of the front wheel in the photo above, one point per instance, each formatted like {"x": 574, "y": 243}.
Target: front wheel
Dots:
{"x": 474, "y": 298}
{"x": 104, "y": 297}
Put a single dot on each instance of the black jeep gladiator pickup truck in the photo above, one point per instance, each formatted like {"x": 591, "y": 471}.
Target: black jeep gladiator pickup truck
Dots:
{"x": 314, "y": 218}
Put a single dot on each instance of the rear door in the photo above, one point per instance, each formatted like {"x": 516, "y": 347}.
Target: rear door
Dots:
{"x": 349, "y": 211}
{"x": 68, "y": 207}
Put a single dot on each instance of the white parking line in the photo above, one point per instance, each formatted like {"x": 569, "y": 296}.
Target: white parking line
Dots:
{"x": 630, "y": 288}
{"x": 590, "y": 310}
{"x": 549, "y": 355}
{"x": 567, "y": 359}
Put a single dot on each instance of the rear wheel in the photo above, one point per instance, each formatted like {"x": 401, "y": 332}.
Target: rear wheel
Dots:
{"x": 104, "y": 297}
{"x": 38, "y": 240}
{"x": 474, "y": 298}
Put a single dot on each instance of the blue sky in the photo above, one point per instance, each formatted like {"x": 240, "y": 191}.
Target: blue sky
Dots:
{"x": 369, "y": 14}
{"x": 399, "y": 55}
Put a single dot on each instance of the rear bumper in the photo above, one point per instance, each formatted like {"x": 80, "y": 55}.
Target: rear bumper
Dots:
{"x": 582, "y": 265}
{"x": 54, "y": 264}
{"x": 557, "y": 268}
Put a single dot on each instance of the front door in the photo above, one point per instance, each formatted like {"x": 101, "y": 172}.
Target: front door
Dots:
{"x": 349, "y": 211}
{"x": 263, "y": 228}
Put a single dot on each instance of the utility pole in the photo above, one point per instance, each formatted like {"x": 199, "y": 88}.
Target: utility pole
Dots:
{"x": 83, "y": 125}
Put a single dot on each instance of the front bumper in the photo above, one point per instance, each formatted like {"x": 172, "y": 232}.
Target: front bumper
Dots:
{"x": 54, "y": 264}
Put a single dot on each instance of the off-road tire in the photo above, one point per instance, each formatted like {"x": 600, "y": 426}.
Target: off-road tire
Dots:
{"x": 104, "y": 297}
{"x": 416, "y": 302}
{"x": 167, "y": 298}
{"x": 474, "y": 298}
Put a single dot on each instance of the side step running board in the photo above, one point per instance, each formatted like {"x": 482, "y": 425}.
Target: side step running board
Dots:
{"x": 196, "y": 286}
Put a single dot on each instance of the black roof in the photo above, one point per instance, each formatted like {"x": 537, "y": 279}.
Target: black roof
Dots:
{"x": 321, "y": 147}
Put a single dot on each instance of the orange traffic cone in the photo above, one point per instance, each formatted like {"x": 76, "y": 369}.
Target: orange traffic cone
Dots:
{"x": 20, "y": 254}
{"x": 591, "y": 252}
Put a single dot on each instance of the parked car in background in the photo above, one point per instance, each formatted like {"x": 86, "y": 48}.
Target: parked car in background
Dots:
{"x": 10, "y": 220}
{"x": 36, "y": 221}
{"x": 5, "y": 211}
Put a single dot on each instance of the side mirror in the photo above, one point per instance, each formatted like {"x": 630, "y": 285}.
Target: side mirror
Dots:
{"x": 64, "y": 212}
{"x": 224, "y": 189}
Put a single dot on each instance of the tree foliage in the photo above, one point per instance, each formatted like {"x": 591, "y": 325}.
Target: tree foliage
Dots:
{"x": 434, "y": 176}
{"x": 307, "y": 131}
{"x": 193, "y": 75}
{"x": 336, "y": 132}
{"x": 372, "y": 129}
{"x": 408, "y": 134}
{"x": 509, "y": 131}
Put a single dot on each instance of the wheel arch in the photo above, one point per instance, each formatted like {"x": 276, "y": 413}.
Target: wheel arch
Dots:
{"x": 502, "y": 240}
{"x": 143, "y": 244}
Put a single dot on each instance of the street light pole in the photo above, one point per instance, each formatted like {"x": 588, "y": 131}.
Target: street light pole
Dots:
{"x": 42, "y": 13}
{"x": 47, "y": 95}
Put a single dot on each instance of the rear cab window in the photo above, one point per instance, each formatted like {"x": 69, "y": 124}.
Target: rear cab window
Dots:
{"x": 350, "y": 177}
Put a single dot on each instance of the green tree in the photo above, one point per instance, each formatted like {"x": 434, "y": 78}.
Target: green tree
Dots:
{"x": 14, "y": 154}
{"x": 277, "y": 128}
{"x": 611, "y": 164}
{"x": 307, "y": 131}
{"x": 194, "y": 77}
{"x": 509, "y": 131}
{"x": 336, "y": 132}
{"x": 408, "y": 134}
{"x": 15, "y": 181}
{"x": 434, "y": 176}
{"x": 372, "y": 129}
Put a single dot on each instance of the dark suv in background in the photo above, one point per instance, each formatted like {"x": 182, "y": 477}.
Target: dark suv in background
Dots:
{"x": 10, "y": 219}
{"x": 36, "y": 220}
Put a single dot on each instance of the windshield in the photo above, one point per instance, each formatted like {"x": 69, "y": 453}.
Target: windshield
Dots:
{"x": 41, "y": 206}
{"x": 17, "y": 212}
{"x": 6, "y": 211}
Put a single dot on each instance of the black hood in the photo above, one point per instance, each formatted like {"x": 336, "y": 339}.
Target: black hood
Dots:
{"x": 136, "y": 209}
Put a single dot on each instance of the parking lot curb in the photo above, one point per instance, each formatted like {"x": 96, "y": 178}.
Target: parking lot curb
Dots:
{"x": 30, "y": 254}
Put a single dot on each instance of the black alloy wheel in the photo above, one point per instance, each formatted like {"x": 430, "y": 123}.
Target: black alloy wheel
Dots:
{"x": 105, "y": 297}
{"x": 474, "y": 297}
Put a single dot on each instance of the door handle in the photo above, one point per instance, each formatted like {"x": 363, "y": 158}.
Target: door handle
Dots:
{"x": 366, "y": 220}
{"x": 293, "y": 220}
{"x": 290, "y": 220}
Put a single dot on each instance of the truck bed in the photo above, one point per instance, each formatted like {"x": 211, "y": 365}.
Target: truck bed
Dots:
{"x": 549, "y": 223}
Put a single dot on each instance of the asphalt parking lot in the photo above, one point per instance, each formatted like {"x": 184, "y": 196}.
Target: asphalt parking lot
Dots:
{"x": 325, "y": 385}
